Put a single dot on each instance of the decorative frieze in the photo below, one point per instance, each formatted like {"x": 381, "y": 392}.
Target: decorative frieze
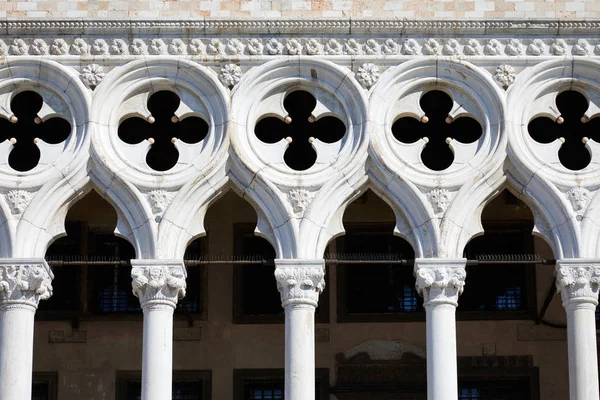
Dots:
{"x": 440, "y": 281}
{"x": 578, "y": 281}
{"x": 367, "y": 46}
{"x": 300, "y": 284}
{"x": 24, "y": 282}
{"x": 158, "y": 282}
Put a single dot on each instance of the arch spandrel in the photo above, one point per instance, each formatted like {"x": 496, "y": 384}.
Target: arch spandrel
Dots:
{"x": 298, "y": 205}
{"x": 442, "y": 201}
{"x": 565, "y": 196}
{"x": 156, "y": 201}
{"x": 32, "y": 199}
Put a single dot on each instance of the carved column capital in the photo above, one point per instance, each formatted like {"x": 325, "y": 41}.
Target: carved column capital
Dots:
{"x": 578, "y": 280}
{"x": 300, "y": 281}
{"x": 439, "y": 280}
{"x": 24, "y": 282}
{"x": 158, "y": 282}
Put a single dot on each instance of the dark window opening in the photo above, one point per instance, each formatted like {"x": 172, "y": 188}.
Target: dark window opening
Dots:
{"x": 300, "y": 126}
{"x": 24, "y": 129}
{"x": 519, "y": 389}
{"x": 501, "y": 288}
{"x": 256, "y": 298}
{"x": 268, "y": 384}
{"x": 162, "y": 129}
{"x": 92, "y": 274}
{"x": 374, "y": 291}
{"x": 44, "y": 386}
{"x": 572, "y": 128}
{"x": 437, "y": 126}
{"x": 194, "y": 300}
{"x": 187, "y": 385}
{"x": 378, "y": 288}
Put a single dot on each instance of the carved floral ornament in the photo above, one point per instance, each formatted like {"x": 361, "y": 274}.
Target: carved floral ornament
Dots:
{"x": 296, "y": 45}
{"x": 300, "y": 285}
{"x": 578, "y": 283}
{"x": 25, "y": 284}
{"x": 155, "y": 284}
{"x": 441, "y": 285}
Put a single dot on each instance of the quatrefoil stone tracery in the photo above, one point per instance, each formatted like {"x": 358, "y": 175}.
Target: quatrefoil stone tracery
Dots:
{"x": 26, "y": 131}
{"x": 300, "y": 128}
{"x": 572, "y": 128}
{"x": 437, "y": 129}
{"x": 162, "y": 129}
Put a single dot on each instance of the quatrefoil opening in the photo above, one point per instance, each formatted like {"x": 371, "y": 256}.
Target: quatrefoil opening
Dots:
{"x": 573, "y": 128}
{"x": 437, "y": 129}
{"x": 300, "y": 128}
{"x": 162, "y": 129}
{"x": 25, "y": 130}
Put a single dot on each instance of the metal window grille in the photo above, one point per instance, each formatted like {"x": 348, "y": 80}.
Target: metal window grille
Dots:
{"x": 468, "y": 394}
{"x": 269, "y": 389}
{"x": 510, "y": 300}
{"x": 182, "y": 390}
{"x": 113, "y": 285}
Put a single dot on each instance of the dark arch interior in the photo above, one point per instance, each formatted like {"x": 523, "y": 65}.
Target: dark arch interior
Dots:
{"x": 90, "y": 264}
{"x": 377, "y": 286}
{"x": 255, "y": 294}
{"x": 502, "y": 287}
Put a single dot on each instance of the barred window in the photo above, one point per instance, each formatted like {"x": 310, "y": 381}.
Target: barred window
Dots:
{"x": 187, "y": 385}
{"x": 513, "y": 389}
{"x": 268, "y": 384}
{"x": 44, "y": 386}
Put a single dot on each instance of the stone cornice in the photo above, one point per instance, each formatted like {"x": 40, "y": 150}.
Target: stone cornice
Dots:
{"x": 317, "y": 25}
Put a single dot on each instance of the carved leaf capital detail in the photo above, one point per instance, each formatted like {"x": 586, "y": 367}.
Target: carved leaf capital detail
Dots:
{"x": 25, "y": 284}
{"x": 578, "y": 283}
{"x": 441, "y": 285}
{"x": 158, "y": 284}
{"x": 300, "y": 285}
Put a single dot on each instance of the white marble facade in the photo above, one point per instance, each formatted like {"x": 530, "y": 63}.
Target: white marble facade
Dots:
{"x": 232, "y": 74}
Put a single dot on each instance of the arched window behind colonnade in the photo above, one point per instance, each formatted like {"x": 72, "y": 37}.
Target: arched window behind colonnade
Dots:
{"x": 501, "y": 273}
{"x": 230, "y": 223}
{"x": 92, "y": 267}
{"x": 92, "y": 271}
{"x": 371, "y": 284}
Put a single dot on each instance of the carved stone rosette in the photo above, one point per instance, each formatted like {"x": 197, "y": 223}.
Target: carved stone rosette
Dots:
{"x": 578, "y": 281}
{"x": 440, "y": 281}
{"x": 300, "y": 281}
{"x": 158, "y": 282}
{"x": 24, "y": 282}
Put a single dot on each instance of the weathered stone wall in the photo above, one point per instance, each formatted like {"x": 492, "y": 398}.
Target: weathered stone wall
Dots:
{"x": 412, "y": 9}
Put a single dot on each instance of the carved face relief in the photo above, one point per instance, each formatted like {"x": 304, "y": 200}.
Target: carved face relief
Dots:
{"x": 300, "y": 200}
{"x": 440, "y": 199}
{"x": 159, "y": 200}
{"x": 157, "y": 277}
{"x": 579, "y": 199}
{"x": 18, "y": 200}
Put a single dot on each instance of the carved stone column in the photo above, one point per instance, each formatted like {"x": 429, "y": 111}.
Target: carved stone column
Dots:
{"x": 23, "y": 283}
{"x": 440, "y": 282}
{"x": 158, "y": 284}
{"x": 300, "y": 283}
{"x": 577, "y": 281}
